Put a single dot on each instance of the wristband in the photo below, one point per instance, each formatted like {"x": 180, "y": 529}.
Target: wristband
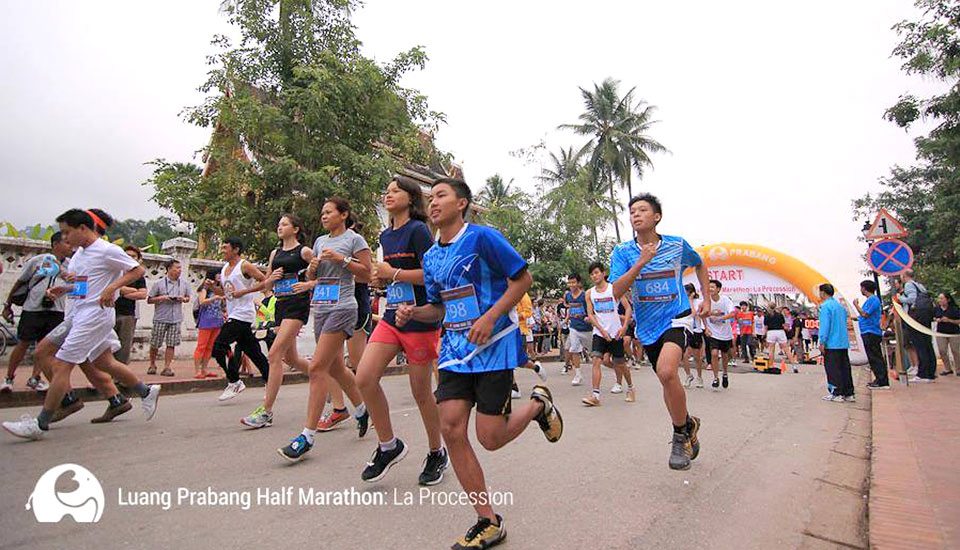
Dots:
{"x": 347, "y": 260}
{"x": 396, "y": 274}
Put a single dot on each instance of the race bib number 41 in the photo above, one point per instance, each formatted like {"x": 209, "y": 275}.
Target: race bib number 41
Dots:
{"x": 462, "y": 307}
{"x": 327, "y": 292}
{"x": 657, "y": 286}
{"x": 79, "y": 291}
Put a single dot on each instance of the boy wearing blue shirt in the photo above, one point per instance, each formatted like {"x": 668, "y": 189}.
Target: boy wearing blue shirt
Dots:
{"x": 652, "y": 265}
{"x": 474, "y": 279}
{"x": 834, "y": 343}
{"x": 871, "y": 334}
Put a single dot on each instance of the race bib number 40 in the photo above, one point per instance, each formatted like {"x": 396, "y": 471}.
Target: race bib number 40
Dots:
{"x": 327, "y": 292}
{"x": 284, "y": 286}
{"x": 657, "y": 286}
{"x": 79, "y": 291}
{"x": 400, "y": 294}
{"x": 462, "y": 307}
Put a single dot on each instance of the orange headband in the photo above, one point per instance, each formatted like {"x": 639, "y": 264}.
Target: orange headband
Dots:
{"x": 96, "y": 220}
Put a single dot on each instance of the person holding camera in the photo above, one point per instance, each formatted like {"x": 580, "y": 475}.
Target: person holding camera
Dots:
{"x": 40, "y": 313}
{"x": 168, "y": 296}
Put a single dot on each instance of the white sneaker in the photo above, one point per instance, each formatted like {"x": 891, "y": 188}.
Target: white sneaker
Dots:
{"x": 839, "y": 399}
{"x": 912, "y": 371}
{"x": 232, "y": 390}
{"x": 149, "y": 403}
{"x": 541, "y": 372}
{"x": 577, "y": 380}
{"x": 42, "y": 385}
{"x": 918, "y": 380}
{"x": 515, "y": 394}
{"x": 699, "y": 381}
{"x": 688, "y": 382}
{"x": 617, "y": 388}
{"x": 7, "y": 385}
{"x": 27, "y": 427}
{"x": 828, "y": 397}
{"x": 850, "y": 399}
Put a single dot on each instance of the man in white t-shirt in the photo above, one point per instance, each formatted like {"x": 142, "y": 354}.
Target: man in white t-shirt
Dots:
{"x": 98, "y": 270}
{"x": 719, "y": 332}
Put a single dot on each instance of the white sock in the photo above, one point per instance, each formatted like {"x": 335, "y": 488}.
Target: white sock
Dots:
{"x": 596, "y": 393}
{"x": 309, "y": 434}
{"x": 389, "y": 445}
{"x": 361, "y": 410}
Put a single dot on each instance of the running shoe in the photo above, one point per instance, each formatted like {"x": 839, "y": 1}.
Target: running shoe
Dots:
{"x": 329, "y": 421}
{"x": 232, "y": 390}
{"x": 152, "y": 370}
{"x": 7, "y": 386}
{"x": 631, "y": 396}
{"x": 796, "y": 370}
{"x": 149, "y": 403}
{"x": 483, "y": 534}
{"x": 915, "y": 380}
{"x": 296, "y": 449}
{"x": 726, "y": 382}
{"x": 541, "y": 372}
{"x": 850, "y": 399}
{"x": 828, "y": 397}
{"x": 699, "y": 381}
{"x": 591, "y": 401}
{"x": 32, "y": 382}
{"x": 715, "y": 384}
{"x": 565, "y": 369}
{"x": 693, "y": 426}
{"x": 168, "y": 372}
{"x": 680, "y": 452}
{"x": 433, "y": 467}
{"x": 27, "y": 427}
{"x": 381, "y": 462}
{"x": 515, "y": 394}
{"x": 363, "y": 424}
{"x": 259, "y": 418}
{"x": 42, "y": 386}
{"x": 617, "y": 388}
{"x": 63, "y": 412}
{"x": 549, "y": 418}
{"x": 875, "y": 386}
{"x": 112, "y": 412}
{"x": 688, "y": 382}
{"x": 577, "y": 380}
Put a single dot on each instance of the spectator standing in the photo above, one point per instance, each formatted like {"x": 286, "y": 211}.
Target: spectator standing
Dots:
{"x": 168, "y": 296}
{"x": 126, "y": 307}
{"x": 209, "y": 317}
{"x": 947, "y": 317}
{"x": 869, "y": 322}
{"x": 835, "y": 344}
{"x": 916, "y": 300}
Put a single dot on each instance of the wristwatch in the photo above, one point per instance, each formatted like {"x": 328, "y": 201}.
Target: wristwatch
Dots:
{"x": 347, "y": 260}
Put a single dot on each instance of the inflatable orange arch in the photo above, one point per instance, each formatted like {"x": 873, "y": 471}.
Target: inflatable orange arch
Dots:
{"x": 805, "y": 278}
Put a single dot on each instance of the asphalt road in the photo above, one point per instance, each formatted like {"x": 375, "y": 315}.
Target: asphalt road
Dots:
{"x": 604, "y": 485}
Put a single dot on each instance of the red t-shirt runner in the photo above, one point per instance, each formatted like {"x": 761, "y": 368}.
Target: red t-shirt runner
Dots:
{"x": 745, "y": 320}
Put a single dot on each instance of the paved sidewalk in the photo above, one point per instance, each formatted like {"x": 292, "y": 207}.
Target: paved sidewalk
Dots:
{"x": 915, "y": 485}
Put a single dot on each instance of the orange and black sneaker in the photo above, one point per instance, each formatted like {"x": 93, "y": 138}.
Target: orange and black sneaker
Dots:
{"x": 693, "y": 426}
{"x": 484, "y": 534}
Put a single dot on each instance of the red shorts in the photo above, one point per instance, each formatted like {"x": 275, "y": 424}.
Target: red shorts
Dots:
{"x": 419, "y": 347}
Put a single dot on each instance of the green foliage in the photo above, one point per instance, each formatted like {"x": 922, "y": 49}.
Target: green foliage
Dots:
{"x": 298, "y": 115}
{"x": 36, "y": 232}
{"x": 926, "y": 196}
{"x": 148, "y": 235}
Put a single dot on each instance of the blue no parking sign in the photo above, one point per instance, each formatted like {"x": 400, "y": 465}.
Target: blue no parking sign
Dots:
{"x": 890, "y": 257}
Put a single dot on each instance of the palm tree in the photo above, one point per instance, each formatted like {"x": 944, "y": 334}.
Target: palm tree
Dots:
{"x": 575, "y": 194}
{"x": 619, "y": 142}
{"x": 496, "y": 193}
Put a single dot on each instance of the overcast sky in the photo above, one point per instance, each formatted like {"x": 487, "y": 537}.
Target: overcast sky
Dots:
{"x": 772, "y": 110}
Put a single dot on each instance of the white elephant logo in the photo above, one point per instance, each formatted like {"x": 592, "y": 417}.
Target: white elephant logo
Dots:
{"x": 718, "y": 254}
{"x": 84, "y": 504}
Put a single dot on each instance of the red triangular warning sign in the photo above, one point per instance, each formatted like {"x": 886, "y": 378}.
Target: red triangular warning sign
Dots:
{"x": 885, "y": 226}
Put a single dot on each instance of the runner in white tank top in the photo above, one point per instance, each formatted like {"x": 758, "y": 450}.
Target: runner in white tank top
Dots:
{"x": 240, "y": 308}
{"x": 608, "y": 330}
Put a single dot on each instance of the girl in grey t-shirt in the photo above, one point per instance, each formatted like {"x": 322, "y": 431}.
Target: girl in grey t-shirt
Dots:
{"x": 338, "y": 257}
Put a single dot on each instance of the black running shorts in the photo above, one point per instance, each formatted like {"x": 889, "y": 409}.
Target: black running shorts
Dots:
{"x": 675, "y": 335}
{"x": 490, "y": 391}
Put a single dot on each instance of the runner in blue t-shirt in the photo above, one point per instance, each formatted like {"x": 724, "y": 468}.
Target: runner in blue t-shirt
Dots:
{"x": 653, "y": 265}
{"x": 474, "y": 279}
{"x": 580, "y": 338}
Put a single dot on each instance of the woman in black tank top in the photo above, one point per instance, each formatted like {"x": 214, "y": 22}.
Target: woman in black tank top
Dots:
{"x": 287, "y": 265}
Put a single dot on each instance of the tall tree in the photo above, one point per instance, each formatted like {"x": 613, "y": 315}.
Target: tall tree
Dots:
{"x": 496, "y": 192}
{"x": 574, "y": 197}
{"x": 926, "y": 196}
{"x": 618, "y": 126}
{"x": 297, "y": 114}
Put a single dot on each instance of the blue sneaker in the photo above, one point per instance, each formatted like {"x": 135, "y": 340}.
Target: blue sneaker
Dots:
{"x": 296, "y": 449}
